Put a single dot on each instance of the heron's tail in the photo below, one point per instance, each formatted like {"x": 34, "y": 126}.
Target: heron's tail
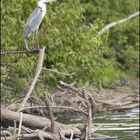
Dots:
{"x": 27, "y": 31}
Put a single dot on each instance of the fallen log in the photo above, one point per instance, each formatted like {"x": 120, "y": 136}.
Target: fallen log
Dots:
{"x": 9, "y": 138}
{"x": 37, "y": 122}
{"x": 32, "y": 137}
{"x": 127, "y": 106}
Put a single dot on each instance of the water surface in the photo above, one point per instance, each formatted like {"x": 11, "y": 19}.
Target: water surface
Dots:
{"x": 115, "y": 126}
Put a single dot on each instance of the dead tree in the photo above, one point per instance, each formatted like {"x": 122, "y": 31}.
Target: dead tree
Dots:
{"x": 86, "y": 106}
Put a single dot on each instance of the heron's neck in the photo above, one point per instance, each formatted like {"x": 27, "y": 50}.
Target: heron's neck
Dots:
{"x": 42, "y": 5}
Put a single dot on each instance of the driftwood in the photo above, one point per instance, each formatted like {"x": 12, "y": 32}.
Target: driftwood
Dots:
{"x": 85, "y": 104}
{"x": 9, "y": 138}
{"x": 126, "y": 106}
{"x": 89, "y": 116}
{"x": 127, "y": 101}
{"x": 50, "y": 114}
{"x": 48, "y": 125}
{"x": 20, "y": 124}
{"x": 33, "y": 136}
{"x": 36, "y": 122}
{"x": 78, "y": 100}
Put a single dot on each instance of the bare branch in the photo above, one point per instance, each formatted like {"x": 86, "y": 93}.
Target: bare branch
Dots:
{"x": 89, "y": 123}
{"x": 20, "y": 124}
{"x": 63, "y": 107}
{"x": 38, "y": 70}
{"x": 50, "y": 113}
{"x": 18, "y": 52}
{"x": 110, "y": 25}
{"x": 70, "y": 87}
{"x": 62, "y": 73}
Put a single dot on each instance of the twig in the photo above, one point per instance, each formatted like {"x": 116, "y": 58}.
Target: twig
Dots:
{"x": 51, "y": 117}
{"x": 5, "y": 133}
{"x": 38, "y": 70}
{"x": 28, "y": 130}
{"x": 18, "y": 52}
{"x": 63, "y": 107}
{"x": 70, "y": 87}
{"x": 62, "y": 73}
{"x": 40, "y": 109}
{"x": 20, "y": 124}
{"x": 71, "y": 137}
{"x": 96, "y": 129}
{"x": 80, "y": 94}
{"x": 13, "y": 103}
{"x": 60, "y": 88}
{"x": 61, "y": 134}
{"x": 88, "y": 134}
{"x": 15, "y": 127}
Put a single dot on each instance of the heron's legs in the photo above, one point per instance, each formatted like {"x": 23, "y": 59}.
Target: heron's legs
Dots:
{"x": 33, "y": 40}
{"x": 37, "y": 38}
{"x": 26, "y": 45}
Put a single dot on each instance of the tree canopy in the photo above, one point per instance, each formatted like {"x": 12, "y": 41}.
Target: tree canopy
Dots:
{"x": 73, "y": 46}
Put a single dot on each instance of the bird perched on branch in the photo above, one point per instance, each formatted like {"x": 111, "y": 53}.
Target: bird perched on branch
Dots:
{"x": 34, "y": 21}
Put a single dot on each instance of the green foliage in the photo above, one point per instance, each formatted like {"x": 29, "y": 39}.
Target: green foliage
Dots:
{"x": 71, "y": 45}
{"x": 111, "y": 75}
{"x": 131, "y": 60}
{"x": 109, "y": 10}
{"x": 16, "y": 70}
{"x": 125, "y": 42}
{"x": 123, "y": 38}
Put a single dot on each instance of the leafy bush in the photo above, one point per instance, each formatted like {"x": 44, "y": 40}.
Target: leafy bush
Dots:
{"x": 72, "y": 46}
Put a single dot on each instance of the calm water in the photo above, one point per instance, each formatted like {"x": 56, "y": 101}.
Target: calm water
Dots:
{"x": 121, "y": 126}
{"x": 116, "y": 126}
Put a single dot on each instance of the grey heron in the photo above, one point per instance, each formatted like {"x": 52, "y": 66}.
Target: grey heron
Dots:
{"x": 34, "y": 21}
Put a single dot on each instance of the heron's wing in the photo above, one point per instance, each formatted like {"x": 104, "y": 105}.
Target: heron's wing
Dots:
{"x": 33, "y": 22}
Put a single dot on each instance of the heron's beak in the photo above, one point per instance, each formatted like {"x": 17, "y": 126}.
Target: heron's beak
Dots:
{"x": 50, "y": 1}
